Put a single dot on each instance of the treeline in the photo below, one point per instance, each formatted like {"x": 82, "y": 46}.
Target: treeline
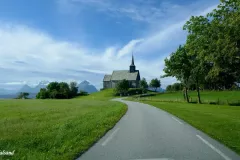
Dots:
{"x": 175, "y": 87}
{"x": 123, "y": 87}
{"x": 180, "y": 87}
{"x": 210, "y": 57}
{"x": 59, "y": 90}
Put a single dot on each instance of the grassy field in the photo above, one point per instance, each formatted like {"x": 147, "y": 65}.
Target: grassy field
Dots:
{"x": 224, "y": 97}
{"x": 55, "y": 129}
{"x": 222, "y": 122}
{"x": 106, "y": 94}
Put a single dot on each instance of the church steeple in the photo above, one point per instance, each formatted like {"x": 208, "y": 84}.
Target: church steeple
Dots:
{"x": 132, "y": 60}
{"x": 132, "y": 66}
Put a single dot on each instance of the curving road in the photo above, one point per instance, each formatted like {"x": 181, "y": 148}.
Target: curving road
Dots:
{"x": 147, "y": 132}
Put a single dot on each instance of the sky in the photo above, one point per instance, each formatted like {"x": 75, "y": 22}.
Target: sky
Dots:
{"x": 76, "y": 40}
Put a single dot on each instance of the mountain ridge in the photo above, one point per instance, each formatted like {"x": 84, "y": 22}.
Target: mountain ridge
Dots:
{"x": 82, "y": 86}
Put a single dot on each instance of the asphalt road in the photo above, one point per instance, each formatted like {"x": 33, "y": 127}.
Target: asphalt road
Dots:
{"x": 147, "y": 132}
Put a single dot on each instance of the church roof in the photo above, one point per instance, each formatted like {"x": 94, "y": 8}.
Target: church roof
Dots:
{"x": 107, "y": 77}
{"x": 124, "y": 74}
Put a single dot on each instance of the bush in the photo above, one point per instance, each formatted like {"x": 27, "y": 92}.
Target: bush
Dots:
{"x": 134, "y": 91}
{"x": 83, "y": 93}
{"x": 122, "y": 87}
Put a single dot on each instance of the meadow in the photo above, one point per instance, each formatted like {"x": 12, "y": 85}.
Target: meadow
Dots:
{"x": 208, "y": 97}
{"x": 55, "y": 129}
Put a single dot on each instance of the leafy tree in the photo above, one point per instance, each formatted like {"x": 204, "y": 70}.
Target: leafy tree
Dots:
{"x": 179, "y": 65}
{"x": 122, "y": 87}
{"x": 53, "y": 94}
{"x": 155, "y": 83}
{"x": 64, "y": 91}
{"x": 215, "y": 40}
{"x": 169, "y": 88}
{"x": 73, "y": 89}
{"x": 57, "y": 90}
{"x": 143, "y": 84}
{"x": 43, "y": 94}
{"x": 23, "y": 95}
{"x": 177, "y": 87}
{"x": 53, "y": 86}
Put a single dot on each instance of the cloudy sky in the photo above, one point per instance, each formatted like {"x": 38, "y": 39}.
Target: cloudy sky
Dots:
{"x": 67, "y": 40}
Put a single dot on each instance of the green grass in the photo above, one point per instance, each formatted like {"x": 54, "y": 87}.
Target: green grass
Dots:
{"x": 106, "y": 94}
{"x": 224, "y": 97}
{"x": 219, "y": 121}
{"x": 55, "y": 129}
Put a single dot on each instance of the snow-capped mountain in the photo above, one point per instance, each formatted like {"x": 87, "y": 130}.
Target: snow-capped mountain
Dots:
{"x": 36, "y": 89}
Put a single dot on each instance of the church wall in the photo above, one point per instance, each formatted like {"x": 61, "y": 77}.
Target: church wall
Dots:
{"x": 107, "y": 84}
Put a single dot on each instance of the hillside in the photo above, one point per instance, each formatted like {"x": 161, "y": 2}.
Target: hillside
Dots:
{"x": 106, "y": 94}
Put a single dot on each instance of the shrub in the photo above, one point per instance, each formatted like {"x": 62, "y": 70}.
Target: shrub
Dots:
{"x": 134, "y": 91}
{"x": 83, "y": 93}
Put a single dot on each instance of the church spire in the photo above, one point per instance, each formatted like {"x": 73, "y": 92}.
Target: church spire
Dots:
{"x": 132, "y": 67}
{"x": 132, "y": 60}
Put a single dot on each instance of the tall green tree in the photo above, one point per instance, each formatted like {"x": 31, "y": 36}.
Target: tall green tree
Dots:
{"x": 215, "y": 39}
{"x": 143, "y": 83}
{"x": 43, "y": 94}
{"x": 73, "y": 89}
{"x": 155, "y": 83}
{"x": 64, "y": 91}
{"x": 169, "y": 88}
{"x": 122, "y": 87}
{"x": 179, "y": 65}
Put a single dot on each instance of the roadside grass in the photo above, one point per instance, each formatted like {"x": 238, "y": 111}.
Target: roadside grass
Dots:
{"x": 208, "y": 97}
{"x": 219, "y": 121}
{"x": 55, "y": 129}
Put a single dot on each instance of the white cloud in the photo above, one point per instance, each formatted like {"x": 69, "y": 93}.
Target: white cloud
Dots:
{"x": 45, "y": 58}
{"x": 129, "y": 47}
{"x": 149, "y": 11}
{"x": 31, "y": 55}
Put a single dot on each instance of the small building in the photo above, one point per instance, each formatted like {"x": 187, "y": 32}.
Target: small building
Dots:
{"x": 132, "y": 76}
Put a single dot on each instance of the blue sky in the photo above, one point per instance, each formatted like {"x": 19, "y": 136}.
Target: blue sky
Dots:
{"x": 67, "y": 40}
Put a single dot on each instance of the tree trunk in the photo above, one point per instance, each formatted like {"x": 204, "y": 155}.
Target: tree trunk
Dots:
{"x": 186, "y": 94}
{"x": 198, "y": 94}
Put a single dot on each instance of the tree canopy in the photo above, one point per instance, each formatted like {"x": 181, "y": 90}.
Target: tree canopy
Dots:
{"x": 143, "y": 83}
{"x": 155, "y": 83}
{"x": 122, "y": 87}
{"x": 210, "y": 57}
{"x": 56, "y": 90}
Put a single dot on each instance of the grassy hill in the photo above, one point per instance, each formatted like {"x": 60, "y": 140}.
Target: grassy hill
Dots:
{"x": 56, "y": 129}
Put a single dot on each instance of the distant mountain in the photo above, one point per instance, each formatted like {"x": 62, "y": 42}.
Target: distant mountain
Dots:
{"x": 87, "y": 87}
{"x": 42, "y": 84}
{"x": 84, "y": 86}
{"x": 28, "y": 89}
